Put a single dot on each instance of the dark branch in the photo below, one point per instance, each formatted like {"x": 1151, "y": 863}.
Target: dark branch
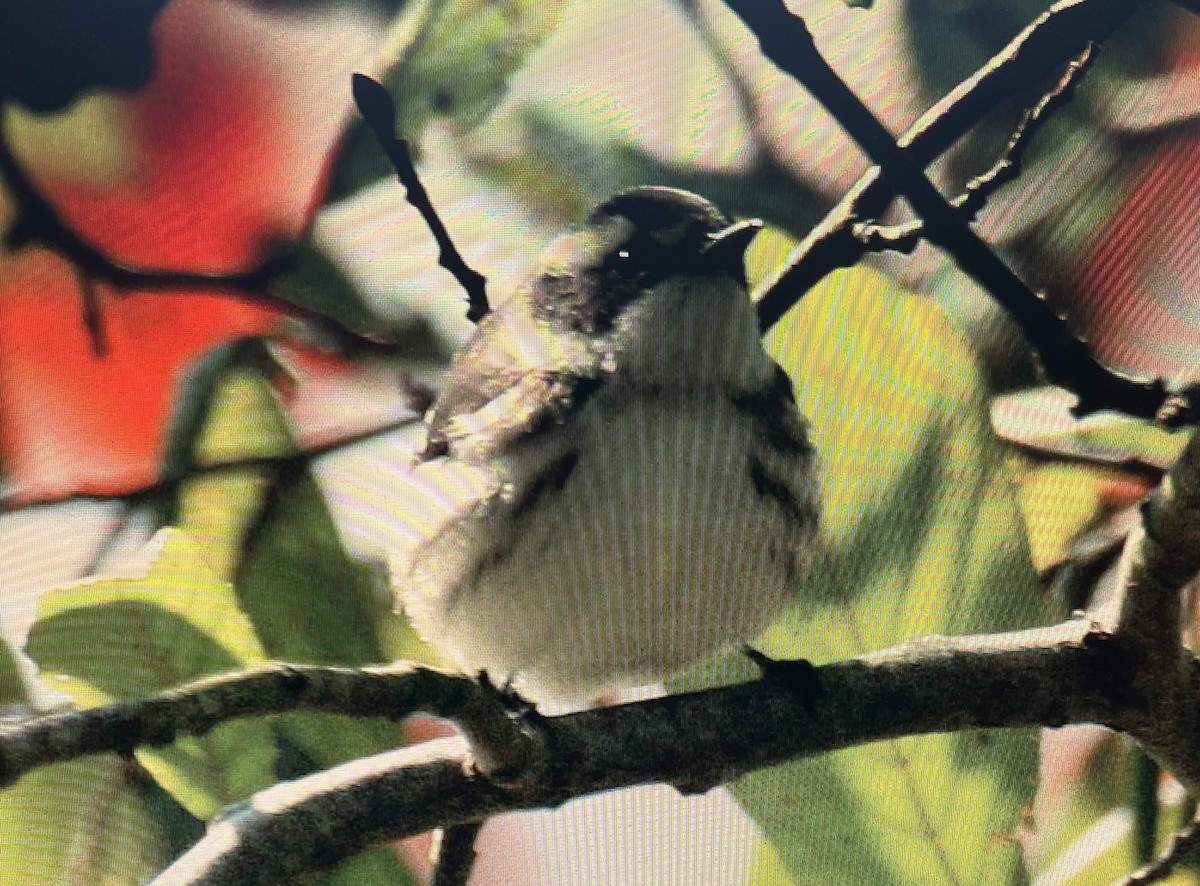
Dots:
{"x": 786, "y": 41}
{"x": 456, "y": 854}
{"x": 1041, "y": 48}
{"x": 980, "y": 189}
{"x": 503, "y": 747}
{"x": 39, "y": 224}
{"x": 693, "y": 740}
{"x": 379, "y": 112}
{"x": 904, "y": 238}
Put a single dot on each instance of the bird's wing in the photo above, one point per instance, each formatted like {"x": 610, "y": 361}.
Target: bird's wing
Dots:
{"x": 512, "y": 379}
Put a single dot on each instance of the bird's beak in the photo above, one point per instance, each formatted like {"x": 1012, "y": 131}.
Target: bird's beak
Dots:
{"x": 727, "y": 249}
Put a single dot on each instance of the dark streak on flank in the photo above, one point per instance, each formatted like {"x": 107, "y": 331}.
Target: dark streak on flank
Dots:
{"x": 789, "y": 561}
{"x": 774, "y": 412}
{"x": 555, "y": 476}
{"x": 778, "y": 491}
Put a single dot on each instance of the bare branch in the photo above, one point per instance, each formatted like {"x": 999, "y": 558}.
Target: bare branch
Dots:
{"x": 905, "y": 237}
{"x": 786, "y": 41}
{"x": 1139, "y": 630}
{"x": 12, "y": 504}
{"x": 379, "y": 112}
{"x": 980, "y": 189}
{"x": 503, "y": 746}
{"x": 1049, "y": 42}
{"x": 692, "y": 740}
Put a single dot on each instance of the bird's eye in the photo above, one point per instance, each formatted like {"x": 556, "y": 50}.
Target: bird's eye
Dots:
{"x": 626, "y": 261}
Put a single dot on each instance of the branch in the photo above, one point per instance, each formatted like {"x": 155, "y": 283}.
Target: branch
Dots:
{"x": 10, "y": 503}
{"x": 455, "y": 852}
{"x": 1045, "y": 45}
{"x": 786, "y": 41}
{"x": 503, "y": 747}
{"x": 693, "y": 741}
{"x": 379, "y": 112}
{"x": 37, "y": 223}
{"x": 904, "y": 238}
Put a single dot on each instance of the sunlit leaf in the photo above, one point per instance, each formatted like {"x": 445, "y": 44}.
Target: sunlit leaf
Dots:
{"x": 1041, "y": 419}
{"x": 267, "y": 529}
{"x": 80, "y": 822}
{"x": 922, "y": 535}
{"x": 130, "y": 637}
{"x": 226, "y": 414}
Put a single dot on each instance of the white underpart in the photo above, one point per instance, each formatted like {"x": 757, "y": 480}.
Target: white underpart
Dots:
{"x": 658, "y": 550}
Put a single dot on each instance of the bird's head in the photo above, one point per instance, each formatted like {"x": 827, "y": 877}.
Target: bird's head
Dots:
{"x": 631, "y": 244}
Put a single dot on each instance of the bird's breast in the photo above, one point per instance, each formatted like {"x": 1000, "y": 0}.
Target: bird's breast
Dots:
{"x": 659, "y": 525}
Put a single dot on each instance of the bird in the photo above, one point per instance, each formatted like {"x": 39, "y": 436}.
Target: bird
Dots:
{"x": 637, "y": 488}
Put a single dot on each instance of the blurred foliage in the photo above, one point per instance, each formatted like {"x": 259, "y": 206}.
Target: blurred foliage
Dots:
{"x": 448, "y": 60}
{"x": 79, "y": 822}
{"x": 251, "y": 569}
{"x": 950, "y": 39}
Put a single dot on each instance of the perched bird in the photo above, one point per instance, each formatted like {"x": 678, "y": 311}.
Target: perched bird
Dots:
{"x": 637, "y": 483}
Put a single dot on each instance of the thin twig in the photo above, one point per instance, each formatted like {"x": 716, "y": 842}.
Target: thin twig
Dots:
{"x": 379, "y": 112}
{"x": 905, "y": 237}
{"x": 1185, "y": 842}
{"x": 14, "y": 502}
{"x": 455, "y": 854}
{"x": 980, "y": 189}
{"x": 1034, "y": 54}
{"x": 786, "y": 41}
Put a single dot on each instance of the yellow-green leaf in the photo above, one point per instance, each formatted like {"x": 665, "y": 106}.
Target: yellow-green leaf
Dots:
{"x": 82, "y": 823}
{"x": 922, "y": 535}
{"x": 132, "y": 636}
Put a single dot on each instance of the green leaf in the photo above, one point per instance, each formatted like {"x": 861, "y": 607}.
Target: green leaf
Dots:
{"x": 83, "y": 822}
{"x": 312, "y": 602}
{"x": 130, "y": 637}
{"x": 922, "y": 536}
{"x": 268, "y": 530}
{"x": 461, "y": 56}
{"x": 375, "y": 866}
{"x": 448, "y": 59}
{"x": 12, "y": 686}
{"x": 227, "y": 414}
